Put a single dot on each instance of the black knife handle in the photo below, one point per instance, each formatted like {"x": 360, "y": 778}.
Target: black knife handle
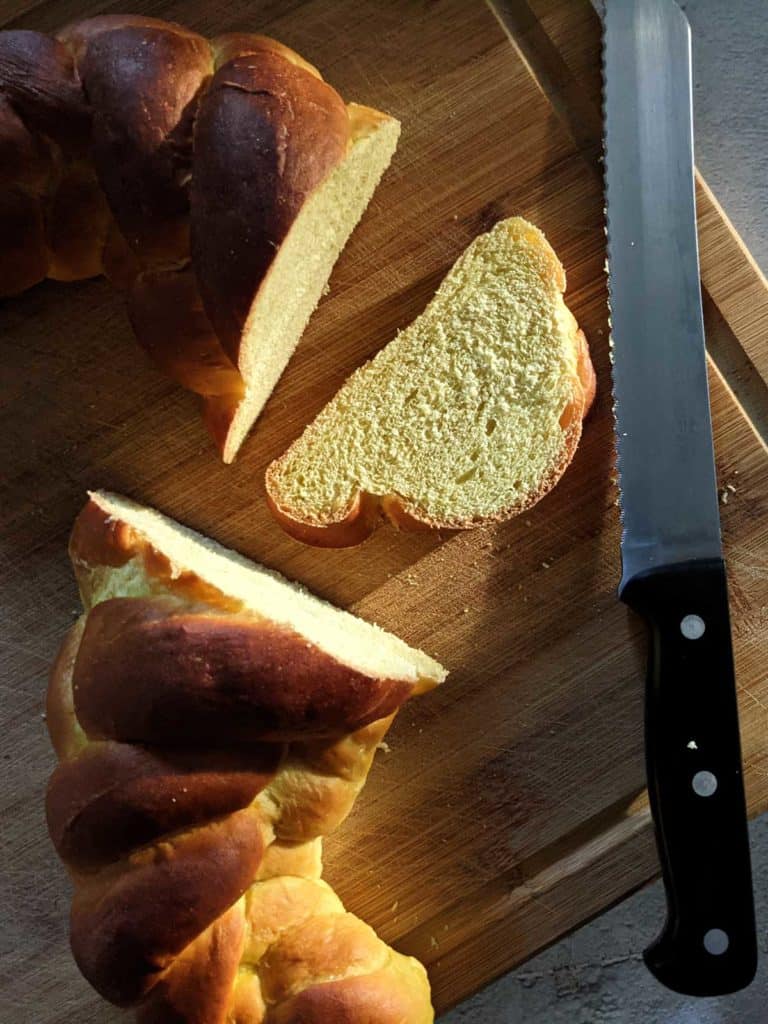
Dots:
{"x": 693, "y": 759}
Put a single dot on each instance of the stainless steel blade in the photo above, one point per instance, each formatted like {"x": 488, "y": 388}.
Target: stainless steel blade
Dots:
{"x": 665, "y": 455}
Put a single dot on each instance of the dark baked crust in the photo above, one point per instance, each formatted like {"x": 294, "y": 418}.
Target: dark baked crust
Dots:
{"x": 39, "y": 79}
{"x": 267, "y": 133}
{"x": 25, "y": 166}
{"x": 78, "y": 221}
{"x": 150, "y": 672}
{"x": 142, "y": 79}
{"x": 23, "y": 156}
{"x": 127, "y": 926}
{"x": 53, "y": 215}
{"x": 23, "y": 253}
{"x": 170, "y": 324}
{"x": 116, "y": 797}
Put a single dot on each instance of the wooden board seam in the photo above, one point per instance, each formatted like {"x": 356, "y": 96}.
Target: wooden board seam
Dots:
{"x": 613, "y": 826}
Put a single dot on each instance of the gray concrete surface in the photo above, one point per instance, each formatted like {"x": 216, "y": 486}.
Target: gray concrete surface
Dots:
{"x": 596, "y": 976}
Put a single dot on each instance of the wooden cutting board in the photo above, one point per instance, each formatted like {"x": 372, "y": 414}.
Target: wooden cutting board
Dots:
{"x": 510, "y": 806}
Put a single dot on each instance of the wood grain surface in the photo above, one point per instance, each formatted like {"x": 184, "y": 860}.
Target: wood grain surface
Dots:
{"x": 510, "y": 806}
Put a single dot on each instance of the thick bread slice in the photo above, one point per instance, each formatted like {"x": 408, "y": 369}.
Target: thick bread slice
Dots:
{"x": 281, "y": 303}
{"x": 121, "y": 550}
{"x": 468, "y": 417}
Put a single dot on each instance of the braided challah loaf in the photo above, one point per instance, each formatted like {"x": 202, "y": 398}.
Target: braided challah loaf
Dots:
{"x": 213, "y": 722}
{"x": 216, "y": 182}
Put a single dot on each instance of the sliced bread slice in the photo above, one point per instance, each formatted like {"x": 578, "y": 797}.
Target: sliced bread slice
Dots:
{"x": 469, "y": 416}
{"x": 299, "y": 272}
{"x": 120, "y": 549}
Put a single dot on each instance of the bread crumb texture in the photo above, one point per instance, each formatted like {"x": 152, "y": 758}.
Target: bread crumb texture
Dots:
{"x": 464, "y": 415}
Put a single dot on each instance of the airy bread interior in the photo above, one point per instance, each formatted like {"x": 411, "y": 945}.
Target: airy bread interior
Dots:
{"x": 466, "y": 415}
{"x": 263, "y": 593}
{"x": 303, "y": 264}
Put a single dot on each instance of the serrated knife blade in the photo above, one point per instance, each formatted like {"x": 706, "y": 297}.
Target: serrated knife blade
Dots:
{"x": 659, "y": 368}
{"x": 673, "y": 572}
{"x": 659, "y": 372}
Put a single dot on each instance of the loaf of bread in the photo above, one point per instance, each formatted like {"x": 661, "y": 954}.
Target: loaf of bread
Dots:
{"x": 212, "y": 723}
{"x": 215, "y": 182}
{"x": 469, "y": 416}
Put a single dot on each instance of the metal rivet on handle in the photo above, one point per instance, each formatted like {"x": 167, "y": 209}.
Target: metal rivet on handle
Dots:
{"x": 704, "y": 783}
{"x": 692, "y": 627}
{"x": 716, "y": 941}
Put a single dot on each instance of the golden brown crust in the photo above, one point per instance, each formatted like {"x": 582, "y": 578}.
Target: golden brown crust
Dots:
{"x": 197, "y": 987}
{"x": 367, "y": 511}
{"x": 312, "y": 949}
{"x": 299, "y": 860}
{"x": 247, "y": 1003}
{"x": 196, "y": 857}
{"x": 364, "y": 120}
{"x": 244, "y": 44}
{"x": 99, "y": 541}
{"x": 356, "y": 526}
{"x": 586, "y": 372}
{"x": 364, "y": 999}
{"x": 170, "y": 324}
{"x": 66, "y": 735}
{"x": 150, "y": 672}
{"x": 116, "y": 797}
{"x": 128, "y": 925}
{"x": 218, "y": 412}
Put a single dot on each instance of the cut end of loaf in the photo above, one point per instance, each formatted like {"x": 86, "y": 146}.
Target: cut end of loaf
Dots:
{"x": 120, "y": 548}
{"x": 469, "y": 416}
{"x": 299, "y": 273}
{"x": 146, "y": 152}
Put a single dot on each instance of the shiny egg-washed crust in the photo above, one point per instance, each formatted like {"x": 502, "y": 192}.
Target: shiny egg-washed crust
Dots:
{"x": 173, "y": 164}
{"x": 195, "y": 858}
{"x": 355, "y": 523}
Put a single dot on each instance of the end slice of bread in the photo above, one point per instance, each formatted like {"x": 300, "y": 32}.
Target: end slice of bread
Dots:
{"x": 121, "y": 549}
{"x": 299, "y": 273}
{"x": 469, "y": 416}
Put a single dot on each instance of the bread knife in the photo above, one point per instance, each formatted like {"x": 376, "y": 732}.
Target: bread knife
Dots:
{"x": 673, "y": 572}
